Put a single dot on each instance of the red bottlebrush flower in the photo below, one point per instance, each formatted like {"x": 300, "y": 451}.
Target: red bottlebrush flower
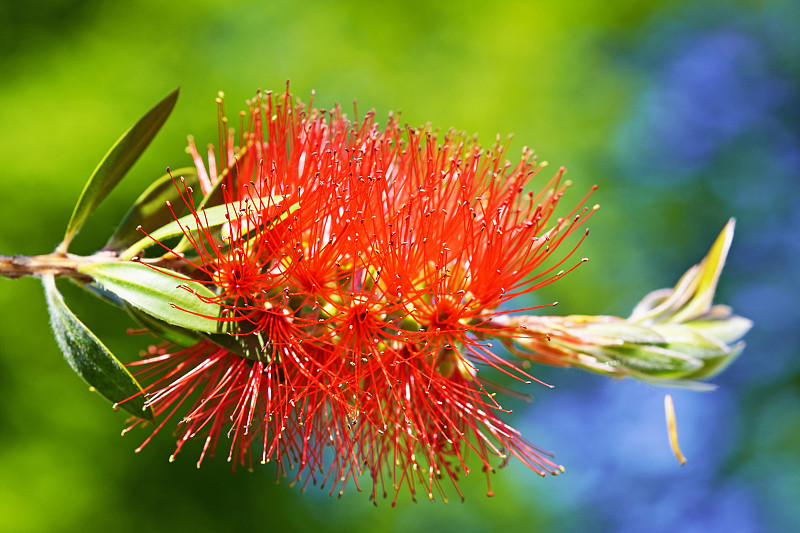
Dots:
{"x": 359, "y": 316}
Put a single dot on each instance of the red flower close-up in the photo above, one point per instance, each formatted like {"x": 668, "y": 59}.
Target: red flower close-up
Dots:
{"x": 358, "y": 272}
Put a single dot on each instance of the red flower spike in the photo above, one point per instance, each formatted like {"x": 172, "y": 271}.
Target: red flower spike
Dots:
{"x": 435, "y": 421}
{"x": 365, "y": 314}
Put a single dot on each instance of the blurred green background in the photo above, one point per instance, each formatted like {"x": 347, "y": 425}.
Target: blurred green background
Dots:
{"x": 683, "y": 113}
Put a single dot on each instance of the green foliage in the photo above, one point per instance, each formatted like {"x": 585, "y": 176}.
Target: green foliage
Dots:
{"x": 251, "y": 346}
{"x": 151, "y": 210}
{"x": 208, "y": 218}
{"x": 116, "y": 163}
{"x": 90, "y": 359}
{"x": 161, "y": 293}
{"x": 169, "y": 332}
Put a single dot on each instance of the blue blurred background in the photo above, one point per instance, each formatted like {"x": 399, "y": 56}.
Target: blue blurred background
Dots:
{"x": 683, "y": 113}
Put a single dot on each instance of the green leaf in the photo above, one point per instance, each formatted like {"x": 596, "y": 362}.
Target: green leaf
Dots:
{"x": 151, "y": 210}
{"x": 661, "y": 304}
{"x": 116, "y": 163}
{"x": 161, "y": 293}
{"x": 692, "y": 296}
{"x": 251, "y": 346}
{"x": 90, "y": 359}
{"x": 214, "y": 197}
{"x": 99, "y": 292}
{"x": 174, "y": 334}
{"x": 205, "y": 219}
{"x": 710, "y": 270}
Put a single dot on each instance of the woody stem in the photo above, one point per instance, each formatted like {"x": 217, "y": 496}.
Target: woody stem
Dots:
{"x": 56, "y": 264}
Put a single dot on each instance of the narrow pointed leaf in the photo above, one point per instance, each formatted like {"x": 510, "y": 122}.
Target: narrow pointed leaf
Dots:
{"x": 163, "y": 294}
{"x": 169, "y": 332}
{"x": 205, "y": 219}
{"x": 116, "y": 163}
{"x": 151, "y": 210}
{"x": 661, "y": 304}
{"x": 99, "y": 292}
{"x": 710, "y": 270}
{"x": 90, "y": 359}
{"x": 251, "y": 346}
{"x": 213, "y": 197}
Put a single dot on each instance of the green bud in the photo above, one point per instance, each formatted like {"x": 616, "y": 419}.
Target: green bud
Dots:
{"x": 673, "y": 337}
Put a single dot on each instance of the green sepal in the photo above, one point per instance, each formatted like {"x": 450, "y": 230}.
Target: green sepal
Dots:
{"x": 653, "y": 361}
{"x": 727, "y": 329}
{"x": 90, "y": 359}
{"x": 151, "y": 210}
{"x": 714, "y": 365}
{"x": 116, "y": 163}
{"x": 161, "y": 293}
{"x": 625, "y": 332}
{"x": 688, "y": 340}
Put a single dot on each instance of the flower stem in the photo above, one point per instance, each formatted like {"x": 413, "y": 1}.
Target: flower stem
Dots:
{"x": 56, "y": 264}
